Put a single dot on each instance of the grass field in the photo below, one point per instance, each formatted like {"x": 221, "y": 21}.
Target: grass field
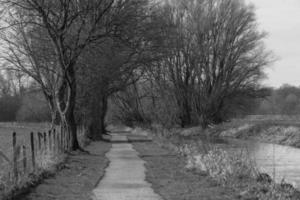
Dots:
{"x": 23, "y": 131}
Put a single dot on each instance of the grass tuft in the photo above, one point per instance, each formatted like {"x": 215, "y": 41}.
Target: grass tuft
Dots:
{"x": 223, "y": 166}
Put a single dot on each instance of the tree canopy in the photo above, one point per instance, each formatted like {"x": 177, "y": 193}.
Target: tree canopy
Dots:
{"x": 171, "y": 62}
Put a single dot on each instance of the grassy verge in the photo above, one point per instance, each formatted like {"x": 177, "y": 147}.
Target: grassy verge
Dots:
{"x": 47, "y": 165}
{"x": 49, "y": 159}
{"x": 23, "y": 186}
{"x": 232, "y": 173}
{"x": 76, "y": 177}
{"x": 166, "y": 171}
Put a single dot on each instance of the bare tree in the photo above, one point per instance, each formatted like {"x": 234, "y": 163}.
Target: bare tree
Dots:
{"x": 28, "y": 51}
{"x": 70, "y": 26}
{"x": 232, "y": 56}
{"x": 215, "y": 55}
{"x": 104, "y": 74}
{"x": 113, "y": 66}
{"x": 175, "y": 72}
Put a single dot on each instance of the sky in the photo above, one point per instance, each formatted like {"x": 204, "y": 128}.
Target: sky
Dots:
{"x": 281, "y": 20}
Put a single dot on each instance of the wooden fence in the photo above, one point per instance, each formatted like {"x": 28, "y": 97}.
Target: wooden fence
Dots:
{"x": 26, "y": 158}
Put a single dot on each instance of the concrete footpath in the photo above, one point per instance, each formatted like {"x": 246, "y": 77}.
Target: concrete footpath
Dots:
{"x": 124, "y": 178}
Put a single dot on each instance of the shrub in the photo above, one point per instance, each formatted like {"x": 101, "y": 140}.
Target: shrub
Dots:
{"x": 222, "y": 165}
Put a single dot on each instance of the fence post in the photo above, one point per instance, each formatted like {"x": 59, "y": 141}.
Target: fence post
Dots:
{"x": 32, "y": 150}
{"x": 61, "y": 141}
{"x": 24, "y": 159}
{"x": 50, "y": 141}
{"x": 40, "y": 135}
{"x": 69, "y": 140}
{"x": 66, "y": 139}
{"x": 53, "y": 141}
{"x": 45, "y": 142}
{"x": 15, "y": 159}
{"x": 62, "y": 138}
{"x": 56, "y": 145}
{"x": 58, "y": 141}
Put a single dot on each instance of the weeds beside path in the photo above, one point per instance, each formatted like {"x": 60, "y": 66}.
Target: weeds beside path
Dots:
{"x": 77, "y": 179}
{"x": 172, "y": 181}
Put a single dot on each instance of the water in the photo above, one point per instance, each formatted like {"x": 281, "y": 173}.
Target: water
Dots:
{"x": 280, "y": 162}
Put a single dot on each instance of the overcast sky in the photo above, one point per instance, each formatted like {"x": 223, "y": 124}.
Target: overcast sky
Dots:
{"x": 281, "y": 19}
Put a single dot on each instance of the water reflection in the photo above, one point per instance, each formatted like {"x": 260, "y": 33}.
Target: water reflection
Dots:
{"x": 283, "y": 162}
{"x": 280, "y": 162}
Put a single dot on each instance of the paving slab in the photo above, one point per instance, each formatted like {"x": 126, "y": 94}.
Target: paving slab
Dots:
{"x": 118, "y": 138}
{"x": 124, "y": 178}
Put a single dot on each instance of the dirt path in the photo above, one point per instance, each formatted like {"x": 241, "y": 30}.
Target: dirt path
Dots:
{"x": 125, "y": 177}
{"x": 77, "y": 180}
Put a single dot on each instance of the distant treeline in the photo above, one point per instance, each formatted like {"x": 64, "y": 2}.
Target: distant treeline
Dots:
{"x": 31, "y": 107}
{"x": 29, "y": 104}
{"x": 284, "y": 101}
{"x": 147, "y": 107}
{"x": 20, "y": 103}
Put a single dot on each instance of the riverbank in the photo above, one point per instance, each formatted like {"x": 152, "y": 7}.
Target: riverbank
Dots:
{"x": 275, "y": 131}
{"x": 283, "y": 132}
{"x": 233, "y": 172}
{"x": 169, "y": 178}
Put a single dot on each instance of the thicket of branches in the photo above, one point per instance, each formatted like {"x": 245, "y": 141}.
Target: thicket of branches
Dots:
{"x": 212, "y": 64}
{"x": 172, "y": 62}
{"x": 46, "y": 40}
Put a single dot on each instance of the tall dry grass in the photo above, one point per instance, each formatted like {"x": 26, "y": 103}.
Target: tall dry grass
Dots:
{"x": 234, "y": 169}
{"x": 46, "y": 163}
{"x": 48, "y": 159}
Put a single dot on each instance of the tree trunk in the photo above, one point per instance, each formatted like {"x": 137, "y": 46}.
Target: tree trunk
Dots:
{"x": 103, "y": 115}
{"x": 97, "y": 122}
{"x": 52, "y": 107}
{"x": 66, "y": 100}
{"x": 72, "y": 128}
{"x": 204, "y": 121}
{"x": 185, "y": 115}
{"x": 70, "y": 116}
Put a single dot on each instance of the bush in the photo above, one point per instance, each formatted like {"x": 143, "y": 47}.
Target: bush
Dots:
{"x": 223, "y": 166}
